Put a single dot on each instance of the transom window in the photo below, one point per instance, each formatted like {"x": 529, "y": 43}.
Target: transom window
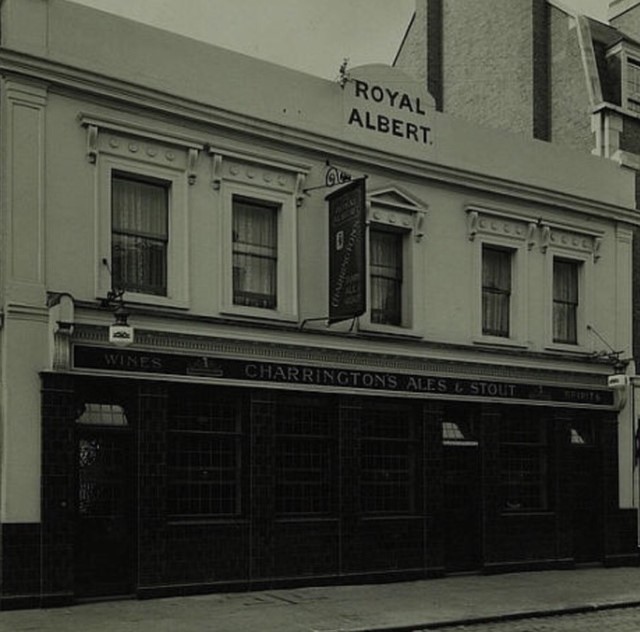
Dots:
{"x": 139, "y": 234}
{"x": 102, "y": 415}
{"x": 385, "y": 262}
{"x": 255, "y": 253}
{"x": 565, "y": 301}
{"x": 496, "y": 291}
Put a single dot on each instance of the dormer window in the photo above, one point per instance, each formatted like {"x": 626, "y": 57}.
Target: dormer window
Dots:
{"x": 633, "y": 84}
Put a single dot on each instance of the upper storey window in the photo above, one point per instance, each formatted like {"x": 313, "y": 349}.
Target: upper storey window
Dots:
{"x": 140, "y": 235}
{"x": 258, "y": 228}
{"x": 386, "y": 267}
{"x": 141, "y": 211}
{"x": 565, "y": 300}
{"x": 633, "y": 85}
{"x": 255, "y": 253}
{"x": 496, "y": 291}
{"x": 499, "y": 291}
{"x": 395, "y": 255}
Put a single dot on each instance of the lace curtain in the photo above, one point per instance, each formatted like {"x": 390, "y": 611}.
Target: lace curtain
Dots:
{"x": 565, "y": 301}
{"x": 255, "y": 254}
{"x": 385, "y": 256}
{"x": 139, "y": 235}
{"x": 496, "y": 291}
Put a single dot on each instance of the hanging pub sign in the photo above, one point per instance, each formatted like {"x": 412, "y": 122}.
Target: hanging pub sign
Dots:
{"x": 347, "y": 265}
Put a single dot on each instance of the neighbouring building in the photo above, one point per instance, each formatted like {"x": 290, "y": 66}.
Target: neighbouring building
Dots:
{"x": 461, "y": 422}
{"x": 537, "y": 68}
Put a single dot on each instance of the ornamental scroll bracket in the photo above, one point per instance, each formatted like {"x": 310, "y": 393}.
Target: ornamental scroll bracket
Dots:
{"x": 418, "y": 225}
{"x": 532, "y": 228}
{"x": 192, "y": 162}
{"x": 61, "y": 318}
{"x": 299, "y": 192}
{"x": 545, "y": 239}
{"x": 472, "y": 224}
{"x": 597, "y": 245}
{"x": 216, "y": 171}
{"x": 92, "y": 143}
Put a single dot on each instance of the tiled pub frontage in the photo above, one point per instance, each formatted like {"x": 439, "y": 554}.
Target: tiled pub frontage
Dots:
{"x": 403, "y": 377}
{"x": 166, "y": 473}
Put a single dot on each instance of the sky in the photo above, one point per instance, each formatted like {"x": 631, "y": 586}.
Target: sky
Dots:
{"x": 313, "y": 36}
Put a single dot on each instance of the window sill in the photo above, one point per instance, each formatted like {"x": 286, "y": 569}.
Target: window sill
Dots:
{"x": 257, "y": 313}
{"x": 135, "y": 298}
{"x": 392, "y": 331}
{"x": 567, "y": 348}
{"x": 497, "y": 341}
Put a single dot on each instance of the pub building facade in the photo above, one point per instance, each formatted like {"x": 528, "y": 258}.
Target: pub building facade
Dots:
{"x": 366, "y": 341}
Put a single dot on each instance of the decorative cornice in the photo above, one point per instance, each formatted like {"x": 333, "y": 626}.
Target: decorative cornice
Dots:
{"x": 564, "y": 237}
{"x": 138, "y": 140}
{"x": 254, "y": 168}
{"x": 500, "y": 224}
{"x": 66, "y": 78}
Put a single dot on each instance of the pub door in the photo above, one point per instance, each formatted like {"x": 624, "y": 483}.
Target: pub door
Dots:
{"x": 104, "y": 543}
{"x": 462, "y": 498}
{"x": 587, "y": 497}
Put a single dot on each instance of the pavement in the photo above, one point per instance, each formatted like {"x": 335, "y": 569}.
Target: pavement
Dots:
{"x": 395, "y": 607}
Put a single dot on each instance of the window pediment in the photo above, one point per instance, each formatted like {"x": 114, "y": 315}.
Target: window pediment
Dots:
{"x": 394, "y": 208}
{"x": 132, "y": 142}
{"x": 500, "y": 224}
{"x": 256, "y": 171}
{"x": 569, "y": 238}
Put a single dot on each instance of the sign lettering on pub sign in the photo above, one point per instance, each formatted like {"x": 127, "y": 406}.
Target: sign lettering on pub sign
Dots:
{"x": 282, "y": 373}
{"x": 347, "y": 266}
{"x": 384, "y": 104}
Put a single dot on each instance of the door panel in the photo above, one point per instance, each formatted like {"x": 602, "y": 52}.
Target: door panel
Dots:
{"x": 462, "y": 507}
{"x": 587, "y": 510}
{"x": 104, "y": 525}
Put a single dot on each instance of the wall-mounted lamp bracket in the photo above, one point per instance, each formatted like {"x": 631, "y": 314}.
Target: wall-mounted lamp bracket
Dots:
{"x": 333, "y": 177}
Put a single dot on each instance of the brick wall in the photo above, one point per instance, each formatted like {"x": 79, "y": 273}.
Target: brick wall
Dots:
{"x": 412, "y": 57}
{"x": 487, "y": 62}
{"x": 570, "y": 104}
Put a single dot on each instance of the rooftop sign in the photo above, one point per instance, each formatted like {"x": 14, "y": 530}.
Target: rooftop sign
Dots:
{"x": 382, "y": 100}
